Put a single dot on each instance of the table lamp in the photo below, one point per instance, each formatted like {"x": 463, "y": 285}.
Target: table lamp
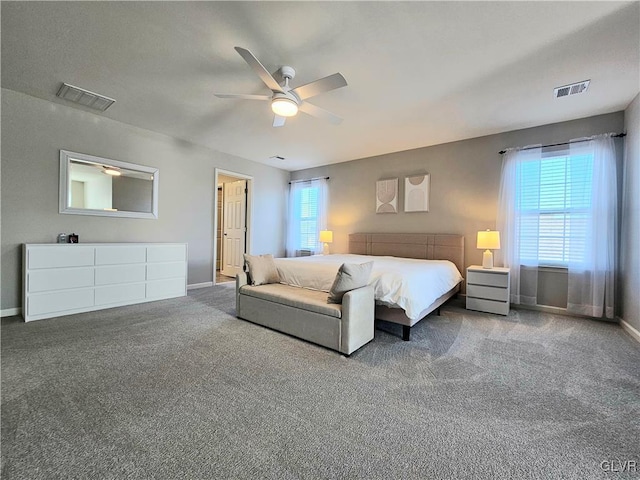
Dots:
{"x": 487, "y": 241}
{"x": 326, "y": 237}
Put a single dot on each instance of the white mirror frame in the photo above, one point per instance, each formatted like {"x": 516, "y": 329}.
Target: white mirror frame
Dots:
{"x": 65, "y": 158}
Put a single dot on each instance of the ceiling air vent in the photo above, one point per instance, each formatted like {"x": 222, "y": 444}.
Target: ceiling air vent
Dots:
{"x": 84, "y": 97}
{"x": 572, "y": 89}
{"x": 276, "y": 157}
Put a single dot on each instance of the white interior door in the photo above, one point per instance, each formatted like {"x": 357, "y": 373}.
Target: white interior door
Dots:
{"x": 234, "y": 196}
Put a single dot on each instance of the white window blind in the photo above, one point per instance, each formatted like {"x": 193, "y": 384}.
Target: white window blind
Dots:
{"x": 309, "y": 216}
{"x": 554, "y": 200}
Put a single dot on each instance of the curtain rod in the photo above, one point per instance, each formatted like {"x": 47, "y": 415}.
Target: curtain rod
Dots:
{"x": 308, "y": 179}
{"x": 501, "y": 152}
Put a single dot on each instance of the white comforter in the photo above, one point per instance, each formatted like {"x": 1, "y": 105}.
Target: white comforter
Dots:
{"x": 407, "y": 283}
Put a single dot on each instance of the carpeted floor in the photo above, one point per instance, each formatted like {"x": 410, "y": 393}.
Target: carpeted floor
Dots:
{"x": 181, "y": 389}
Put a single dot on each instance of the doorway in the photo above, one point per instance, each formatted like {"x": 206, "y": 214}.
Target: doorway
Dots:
{"x": 232, "y": 212}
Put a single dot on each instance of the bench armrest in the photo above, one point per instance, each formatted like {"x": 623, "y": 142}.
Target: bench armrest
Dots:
{"x": 358, "y": 317}
{"x": 241, "y": 280}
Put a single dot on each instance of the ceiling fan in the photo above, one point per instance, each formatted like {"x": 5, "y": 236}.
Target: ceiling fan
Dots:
{"x": 285, "y": 100}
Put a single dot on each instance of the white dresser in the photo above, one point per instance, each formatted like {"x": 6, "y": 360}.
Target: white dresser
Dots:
{"x": 61, "y": 279}
{"x": 488, "y": 289}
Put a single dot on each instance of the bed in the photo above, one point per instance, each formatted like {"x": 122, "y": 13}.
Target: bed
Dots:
{"x": 413, "y": 274}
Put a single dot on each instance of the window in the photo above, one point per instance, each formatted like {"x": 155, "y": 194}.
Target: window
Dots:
{"x": 554, "y": 200}
{"x": 307, "y": 216}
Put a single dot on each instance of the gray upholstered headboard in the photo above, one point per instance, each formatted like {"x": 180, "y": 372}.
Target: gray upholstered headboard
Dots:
{"x": 428, "y": 246}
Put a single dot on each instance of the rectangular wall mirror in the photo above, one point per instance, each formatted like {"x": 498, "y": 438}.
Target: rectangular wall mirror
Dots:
{"x": 92, "y": 185}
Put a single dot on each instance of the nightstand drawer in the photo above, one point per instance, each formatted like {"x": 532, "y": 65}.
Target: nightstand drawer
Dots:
{"x": 489, "y": 293}
{"x": 490, "y": 279}
{"x": 490, "y": 306}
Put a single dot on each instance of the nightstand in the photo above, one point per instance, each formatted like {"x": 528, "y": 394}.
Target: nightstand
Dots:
{"x": 488, "y": 289}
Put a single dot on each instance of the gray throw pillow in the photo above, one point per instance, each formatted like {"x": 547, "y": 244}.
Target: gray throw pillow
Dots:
{"x": 349, "y": 277}
{"x": 261, "y": 269}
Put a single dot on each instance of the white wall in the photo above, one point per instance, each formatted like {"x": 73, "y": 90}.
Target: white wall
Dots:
{"x": 33, "y": 132}
{"x": 630, "y": 232}
{"x": 98, "y": 194}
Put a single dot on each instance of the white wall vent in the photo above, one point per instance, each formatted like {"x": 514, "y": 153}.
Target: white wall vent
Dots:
{"x": 572, "y": 89}
{"x": 84, "y": 97}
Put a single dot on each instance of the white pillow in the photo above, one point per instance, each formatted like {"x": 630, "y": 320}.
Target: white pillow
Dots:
{"x": 261, "y": 269}
{"x": 349, "y": 277}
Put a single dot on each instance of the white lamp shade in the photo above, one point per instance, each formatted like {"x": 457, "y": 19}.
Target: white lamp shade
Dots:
{"x": 488, "y": 240}
{"x": 326, "y": 236}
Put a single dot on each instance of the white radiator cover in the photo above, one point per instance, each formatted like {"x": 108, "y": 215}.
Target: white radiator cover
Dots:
{"x": 62, "y": 279}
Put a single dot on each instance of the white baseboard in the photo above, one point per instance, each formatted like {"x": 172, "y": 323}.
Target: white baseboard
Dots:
{"x": 11, "y": 312}
{"x": 560, "y": 311}
{"x": 631, "y": 330}
{"x": 193, "y": 286}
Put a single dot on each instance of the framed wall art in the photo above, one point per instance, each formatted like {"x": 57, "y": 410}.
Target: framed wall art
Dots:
{"x": 387, "y": 196}
{"x": 416, "y": 193}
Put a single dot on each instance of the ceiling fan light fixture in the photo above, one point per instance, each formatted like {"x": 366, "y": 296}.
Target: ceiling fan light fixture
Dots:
{"x": 283, "y": 106}
{"x": 286, "y": 101}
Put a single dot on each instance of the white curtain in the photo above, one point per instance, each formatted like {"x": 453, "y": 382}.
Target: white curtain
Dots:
{"x": 511, "y": 222}
{"x": 308, "y": 205}
{"x": 591, "y": 281}
{"x": 560, "y": 210}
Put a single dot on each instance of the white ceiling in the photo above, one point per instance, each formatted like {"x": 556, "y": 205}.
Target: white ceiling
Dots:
{"x": 419, "y": 73}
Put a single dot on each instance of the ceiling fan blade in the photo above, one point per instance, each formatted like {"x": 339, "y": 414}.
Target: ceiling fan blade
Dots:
{"x": 320, "y": 86}
{"x": 318, "y": 112}
{"x": 243, "y": 96}
{"x": 262, "y": 72}
{"x": 278, "y": 121}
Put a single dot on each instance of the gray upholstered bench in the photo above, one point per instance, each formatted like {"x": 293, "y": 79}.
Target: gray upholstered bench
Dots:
{"x": 305, "y": 313}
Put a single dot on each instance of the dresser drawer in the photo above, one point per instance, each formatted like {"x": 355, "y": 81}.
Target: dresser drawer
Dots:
{"x": 172, "y": 287}
{"x": 120, "y": 294}
{"x": 51, "y": 279}
{"x": 56, "y": 256}
{"x": 158, "y": 271}
{"x": 490, "y": 306}
{"x": 490, "y": 279}
{"x": 490, "y": 293}
{"x": 59, "y": 302}
{"x": 118, "y": 274}
{"x": 121, "y": 254}
{"x": 166, "y": 253}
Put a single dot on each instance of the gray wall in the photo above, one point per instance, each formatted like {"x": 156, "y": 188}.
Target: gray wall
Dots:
{"x": 33, "y": 132}
{"x": 465, "y": 179}
{"x": 630, "y": 232}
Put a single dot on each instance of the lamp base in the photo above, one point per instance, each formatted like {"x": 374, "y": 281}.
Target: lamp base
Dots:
{"x": 487, "y": 259}
{"x": 325, "y": 249}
